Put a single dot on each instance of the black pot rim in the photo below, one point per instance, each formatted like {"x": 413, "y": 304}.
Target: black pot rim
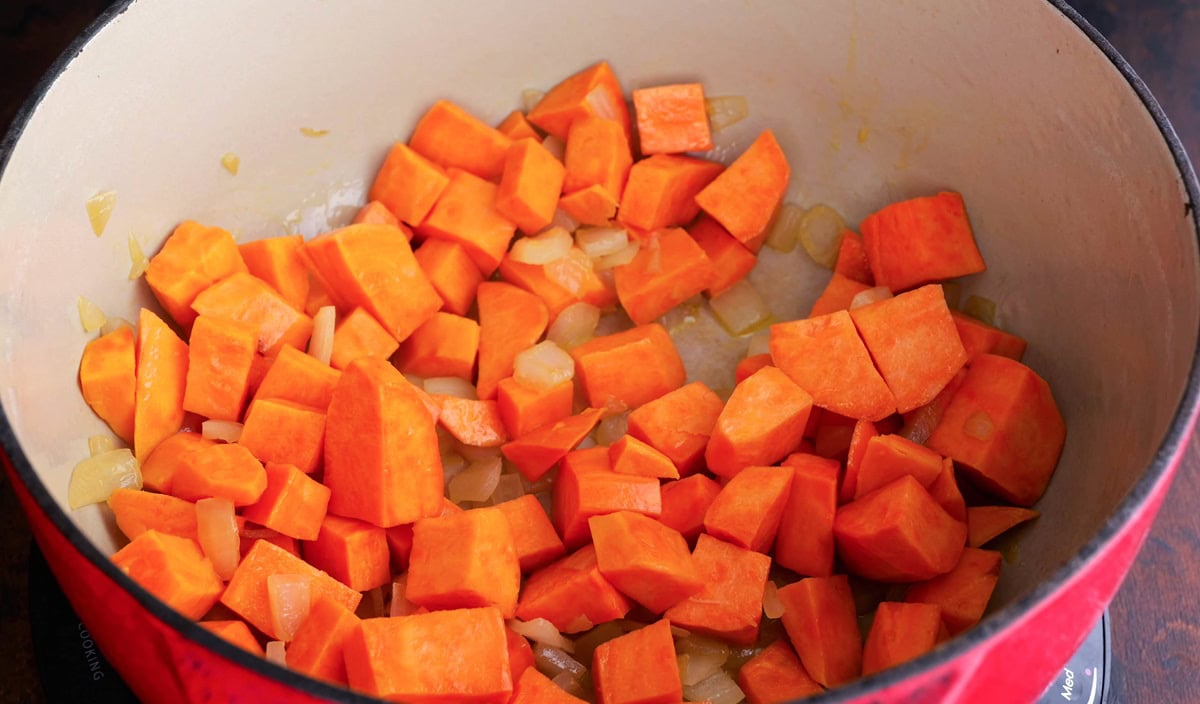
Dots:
{"x": 1173, "y": 445}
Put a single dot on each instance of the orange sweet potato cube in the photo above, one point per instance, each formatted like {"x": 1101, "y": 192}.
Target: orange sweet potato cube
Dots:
{"x": 638, "y": 667}
{"x": 729, "y": 606}
{"x": 762, "y": 423}
{"x": 464, "y": 560}
{"x": 284, "y": 432}
{"x": 646, "y": 560}
{"x": 353, "y": 552}
{"x": 572, "y": 594}
{"x": 920, "y": 241}
{"x": 678, "y": 424}
{"x": 173, "y": 569}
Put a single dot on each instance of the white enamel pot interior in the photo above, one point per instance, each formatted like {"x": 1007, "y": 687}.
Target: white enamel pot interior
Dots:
{"x": 1076, "y": 186}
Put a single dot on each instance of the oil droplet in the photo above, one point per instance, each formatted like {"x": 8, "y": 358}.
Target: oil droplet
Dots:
{"x": 231, "y": 162}
{"x": 864, "y": 134}
{"x": 99, "y": 208}
{"x": 311, "y": 132}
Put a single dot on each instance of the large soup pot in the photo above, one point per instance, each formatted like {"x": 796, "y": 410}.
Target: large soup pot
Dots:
{"x": 1078, "y": 189}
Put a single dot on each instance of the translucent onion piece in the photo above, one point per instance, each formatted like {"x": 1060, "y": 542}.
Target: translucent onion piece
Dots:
{"x": 979, "y": 426}
{"x": 373, "y": 603}
{"x": 785, "y": 230}
{"x": 542, "y": 248}
{"x": 683, "y": 315}
{"x": 726, "y": 110}
{"x": 475, "y": 483}
{"x": 601, "y": 241}
{"x": 570, "y": 684}
{"x": 137, "y": 259}
{"x": 222, "y": 430}
{"x": 772, "y": 606}
{"x": 981, "y": 309}
{"x": 575, "y": 325}
{"x": 821, "y": 234}
{"x": 699, "y": 645}
{"x": 602, "y": 104}
{"x": 919, "y": 424}
{"x": 477, "y": 454}
{"x": 760, "y": 343}
{"x": 508, "y": 488}
{"x": 555, "y": 146}
{"x": 564, "y": 221}
{"x": 611, "y": 429}
{"x": 677, "y": 632}
{"x": 614, "y": 321}
{"x": 740, "y": 309}
{"x": 452, "y": 464}
{"x": 531, "y": 97}
{"x": 543, "y": 366}
{"x": 320, "y": 345}
{"x": 542, "y": 632}
{"x": 952, "y": 290}
{"x": 95, "y": 479}
{"x": 716, "y": 689}
{"x": 99, "y": 209}
{"x": 99, "y": 444}
{"x": 551, "y": 661}
{"x": 871, "y": 295}
{"x": 654, "y": 247}
{"x": 217, "y": 530}
{"x": 400, "y": 605}
{"x": 113, "y": 324}
{"x": 289, "y": 597}
{"x": 451, "y": 386}
{"x": 90, "y": 315}
{"x": 618, "y": 258}
{"x": 276, "y": 652}
{"x": 570, "y": 271}
{"x": 231, "y": 162}
{"x": 313, "y": 132}
{"x": 699, "y": 667}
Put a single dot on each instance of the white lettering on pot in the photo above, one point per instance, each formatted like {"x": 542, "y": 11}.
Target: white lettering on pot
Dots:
{"x": 1068, "y": 684}
{"x": 90, "y": 655}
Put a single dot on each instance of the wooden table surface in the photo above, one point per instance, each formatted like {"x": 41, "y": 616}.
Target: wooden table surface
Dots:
{"x": 1155, "y": 617}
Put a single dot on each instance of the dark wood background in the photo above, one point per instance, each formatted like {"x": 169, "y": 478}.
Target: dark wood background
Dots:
{"x": 1155, "y": 617}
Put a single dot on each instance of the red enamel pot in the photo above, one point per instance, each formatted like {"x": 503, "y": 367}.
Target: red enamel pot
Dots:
{"x": 1079, "y": 192}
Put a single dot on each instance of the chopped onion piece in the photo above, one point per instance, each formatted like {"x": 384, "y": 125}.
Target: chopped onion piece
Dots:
{"x": 475, "y": 483}
{"x": 99, "y": 444}
{"x": 556, "y": 147}
{"x": 90, "y": 315}
{"x": 601, "y": 241}
{"x": 575, "y": 325}
{"x": 452, "y": 464}
{"x": 113, "y": 324}
{"x": 699, "y": 645}
{"x": 99, "y": 209}
{"x": 415, "y": 380}
{"x": 217, "y": 531}
{"x": 451, "y": 386}
{"x": 477, "y": 454}
{"x": 551, "y": 661}
{"x": 619, "y": 258}
{"x": 614, "y": 321}
{"x": 919, "y": 424}
{"x": 313, "y": 132}
{"x": 726, "y": 110}
{"x": 566, "y": 222}
{"x": 320, "y": 345}
{"x": 760, "y": 343}
{"x": 570, "y": 271}
{"x": 277, "y": 653}
{"x": 716, "y": 689}
{"x": 683, "y": 315}
{"x": 508, "y": 488}
{"x": 137, "y": 259}
{"x": 677, "y": 632}
{"x": 542, "y": 632}
{"x": 569, "y": 683}
{"x": 95, "y": 479}
{"x": 289, "y": 596}
{"x": 222, "y": 430}
{"x": 740, "y": 309}
{"x": 952, "y": 290}
{"x": 542, "y": 248}
{"x": 530, "y": 97}
{"x": 979, "y": 426}
{"x": 231, "y": 162}
{"x": 602, "y": 104}
{"x": 980, "y": 308}
{"x": 373, "y": 603}
{"x": 611, "y": 429}
{"x": 543, "y": 366}
{"x": 821, "y": 234}
{"x": 400, "y": 605}
{"x": 785, "y": 230}
{"x": 700, "y": 666}
{"x": 772, "y": 606}
{"x": 871, "y": 295}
